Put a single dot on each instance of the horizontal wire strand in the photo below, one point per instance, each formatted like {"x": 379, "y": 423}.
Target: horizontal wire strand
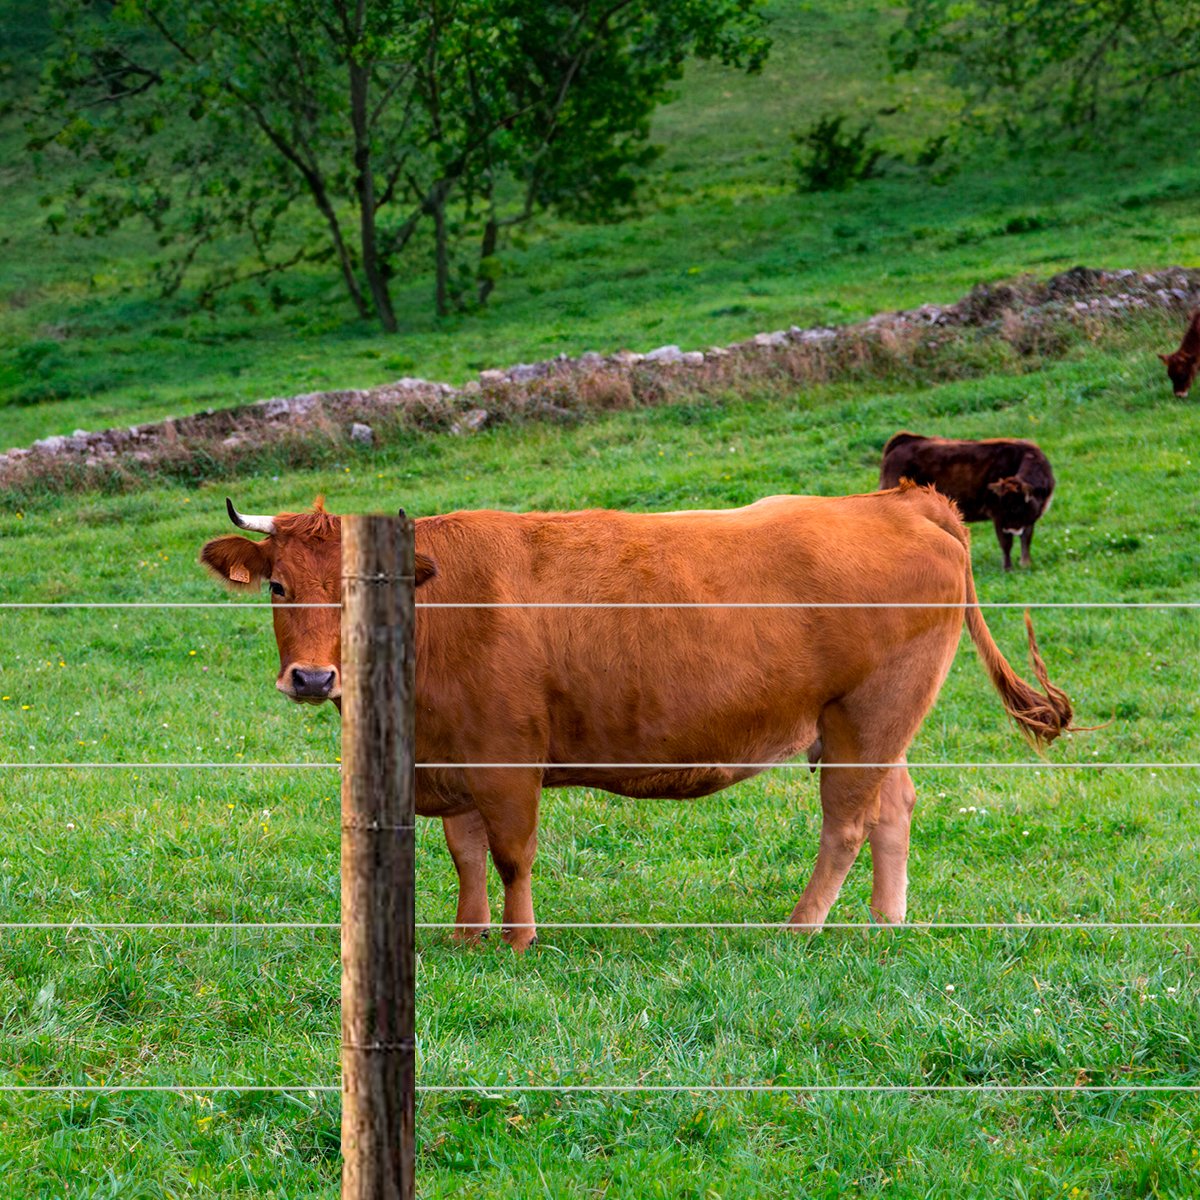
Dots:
{"x": 613, "y": 1088}
{"x": 248, "y": 606}
{"x": 609, "y": 766}
{"x": 781, "y": 926}
{"x": 792, "y": 1088}
{"x": 634, "y": 604}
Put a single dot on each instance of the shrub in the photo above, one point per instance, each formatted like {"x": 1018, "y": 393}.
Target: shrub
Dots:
{"x": 829, "y": 159}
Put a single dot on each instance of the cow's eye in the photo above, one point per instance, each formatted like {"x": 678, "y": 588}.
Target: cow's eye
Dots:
{"x": 276, "y": 588}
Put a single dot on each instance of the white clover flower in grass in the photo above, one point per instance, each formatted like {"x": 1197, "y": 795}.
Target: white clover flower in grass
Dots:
{"x": 949, "y": 989}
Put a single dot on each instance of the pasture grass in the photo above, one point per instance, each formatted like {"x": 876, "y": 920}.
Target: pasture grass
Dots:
{"x": 722, "y": 246}
{"x": 604, "y": 1006}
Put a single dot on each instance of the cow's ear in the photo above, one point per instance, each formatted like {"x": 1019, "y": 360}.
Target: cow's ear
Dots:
{"x": 424, "y": 568}
{"x": 237, "y": 561}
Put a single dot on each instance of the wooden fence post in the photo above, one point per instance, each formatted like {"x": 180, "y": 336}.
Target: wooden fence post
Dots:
{"x": 378, "y": 963}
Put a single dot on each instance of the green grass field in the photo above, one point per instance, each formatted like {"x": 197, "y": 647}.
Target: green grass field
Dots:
{"x": 968, "y": 1007}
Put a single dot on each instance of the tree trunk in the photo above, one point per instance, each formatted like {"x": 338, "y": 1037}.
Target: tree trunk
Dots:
{"x": 364, "y": 186}
{"x": 441, "y": 248}
{"x": 487, "y": 248}
{"x": 339, "y": 244}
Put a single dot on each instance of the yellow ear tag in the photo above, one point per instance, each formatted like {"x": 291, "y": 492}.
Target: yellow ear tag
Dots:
{"x": 239, "y": 574}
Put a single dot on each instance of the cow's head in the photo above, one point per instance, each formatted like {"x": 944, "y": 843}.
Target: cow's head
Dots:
{"x": 1015, "y": 503}
{"x": 301, "y": 560}
{"x": 1181, "y": 369}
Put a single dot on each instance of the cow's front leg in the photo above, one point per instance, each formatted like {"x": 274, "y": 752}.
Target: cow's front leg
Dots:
{"x": 1005, "y": 539}
{"x": 466, "y": 838}
{"x": 889, "y": 847}
{"x": 1026, "y": 542}
{"x": 508, "y": 804}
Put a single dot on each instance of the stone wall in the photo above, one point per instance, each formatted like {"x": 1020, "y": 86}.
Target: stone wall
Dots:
{"x": 1025, "y": 312}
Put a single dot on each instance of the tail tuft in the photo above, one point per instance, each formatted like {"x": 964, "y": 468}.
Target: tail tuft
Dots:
{"x": 1043, "y": 718}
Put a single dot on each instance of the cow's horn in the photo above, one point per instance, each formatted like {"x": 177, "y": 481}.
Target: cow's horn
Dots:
{"x": 254, "y": 524}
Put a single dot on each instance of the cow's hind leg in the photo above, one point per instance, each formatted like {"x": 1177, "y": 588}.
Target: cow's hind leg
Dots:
{"x": 466, "y": 838}
{"x": 849, "y": 811}
{"x": 889, "y": 847}
{"x": 873, "y": 725}
{"x": 508, "y": 803}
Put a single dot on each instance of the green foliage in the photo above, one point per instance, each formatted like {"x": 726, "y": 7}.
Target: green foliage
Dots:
{"x": 1022, "y": 60}
{"x": 828, "y": 159}
{"x": 345, "y": 133}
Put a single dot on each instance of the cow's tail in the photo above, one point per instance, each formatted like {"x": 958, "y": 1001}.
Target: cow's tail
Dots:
{"x": 1042, "y": 715}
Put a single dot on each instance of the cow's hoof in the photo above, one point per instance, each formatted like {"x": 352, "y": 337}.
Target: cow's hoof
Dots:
{"x": 519, "y": 943}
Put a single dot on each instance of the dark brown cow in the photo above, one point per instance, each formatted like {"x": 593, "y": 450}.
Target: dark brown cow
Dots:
{"x": 1007, "y": 481}
{"x": 571, "y": 696}
{"x": 1182, "y": 364}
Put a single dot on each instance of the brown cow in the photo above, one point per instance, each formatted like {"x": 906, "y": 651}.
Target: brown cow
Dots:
{"x": 571, "y": 696}
{"x": 1181, "y": 366}
{"x": 1007, "y": 481}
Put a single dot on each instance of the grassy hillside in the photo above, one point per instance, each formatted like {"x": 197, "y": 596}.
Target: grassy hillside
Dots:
{"x": 607, "y": 1006}
{"x": 723, "y": 246}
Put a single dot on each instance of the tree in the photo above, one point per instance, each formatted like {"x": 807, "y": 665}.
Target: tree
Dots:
{"x": 1072, "y": 59}
{"x": 355, "y": 131}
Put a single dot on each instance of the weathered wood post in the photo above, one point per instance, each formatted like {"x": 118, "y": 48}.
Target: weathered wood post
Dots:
{"x": 378, "y": 961}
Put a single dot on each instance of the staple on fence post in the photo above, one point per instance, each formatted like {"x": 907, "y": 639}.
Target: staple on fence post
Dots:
{"x": 378, "y": 920}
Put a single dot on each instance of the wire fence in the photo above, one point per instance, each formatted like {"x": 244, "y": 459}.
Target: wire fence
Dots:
{"x": 612, "y": 766}
{"x": 623, "y": 1088}
{"x": 256, "y": 605}
{"x": 766, "y": 926}
{"x": 1082, "y": 1086}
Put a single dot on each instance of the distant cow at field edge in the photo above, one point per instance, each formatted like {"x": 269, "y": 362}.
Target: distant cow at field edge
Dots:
{"x": 1007, "y": 481}
{"x": 608, "y": 650}
{"x": 1181, "y": 366}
